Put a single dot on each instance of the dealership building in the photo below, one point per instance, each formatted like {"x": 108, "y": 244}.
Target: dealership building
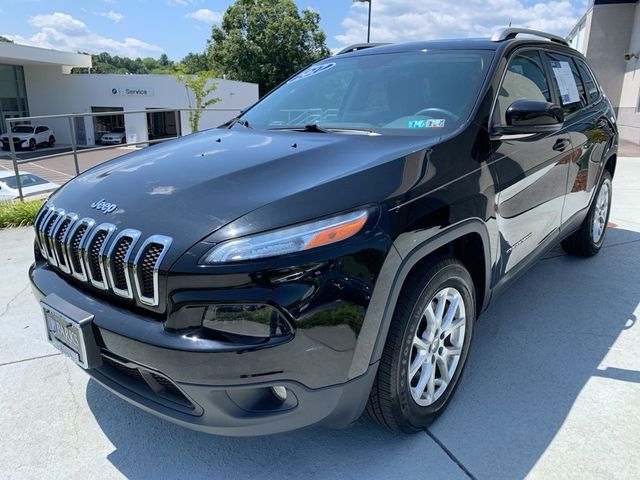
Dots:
{"x": 36, "y": 81}
{"x": 609, "y": 36}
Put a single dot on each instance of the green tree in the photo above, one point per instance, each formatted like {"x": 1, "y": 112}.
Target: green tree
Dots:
{"x": 198, "y": 88}
{"x": 266, "y": 41}
{"x": 5, "y": 39}
{"x": 195, "y": 62}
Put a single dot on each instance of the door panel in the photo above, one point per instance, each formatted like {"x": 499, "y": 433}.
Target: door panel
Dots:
{"x": 590, "y": 132}
{"x": 531, "y": 169}
{"x": 532, "y": 179}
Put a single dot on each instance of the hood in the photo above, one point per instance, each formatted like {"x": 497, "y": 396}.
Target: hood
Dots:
{"x": 21, "y": 136}
{"x": 190, "y": 187}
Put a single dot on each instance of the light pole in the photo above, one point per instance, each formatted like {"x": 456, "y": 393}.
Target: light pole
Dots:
{"x": 369, "y": 22}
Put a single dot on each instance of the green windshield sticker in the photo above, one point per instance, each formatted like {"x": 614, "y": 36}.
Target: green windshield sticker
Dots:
{"x": 431, "y": 123}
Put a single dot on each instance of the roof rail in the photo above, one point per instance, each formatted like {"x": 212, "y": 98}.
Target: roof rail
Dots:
{"x": 359, "y": 46}
{"x": 511, "y": 33}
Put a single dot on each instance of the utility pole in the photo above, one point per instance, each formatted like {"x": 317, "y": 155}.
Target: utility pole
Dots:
{"x": 369, "y": 21}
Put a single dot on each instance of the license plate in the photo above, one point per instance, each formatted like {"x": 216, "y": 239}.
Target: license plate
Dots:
{"x": 69, "y": 329}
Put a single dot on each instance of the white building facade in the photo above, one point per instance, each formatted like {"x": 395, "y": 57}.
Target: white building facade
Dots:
{"x": 609, "y": 36}
{"x": 35, "y": 81}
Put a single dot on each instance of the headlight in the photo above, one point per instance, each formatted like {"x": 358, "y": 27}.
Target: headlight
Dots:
{"x": 289, "y": 239}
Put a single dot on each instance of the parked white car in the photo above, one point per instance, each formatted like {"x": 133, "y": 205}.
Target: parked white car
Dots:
{"x": 115, "y": 136}
{"x": 31, "y": 185}
{"x": 29, "y": 137}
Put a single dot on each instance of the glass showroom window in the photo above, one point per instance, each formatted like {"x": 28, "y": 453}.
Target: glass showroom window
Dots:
{"x": 13, "y": 94}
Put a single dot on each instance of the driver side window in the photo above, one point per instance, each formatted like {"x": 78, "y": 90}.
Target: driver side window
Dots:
{"x": 525, "y": 79}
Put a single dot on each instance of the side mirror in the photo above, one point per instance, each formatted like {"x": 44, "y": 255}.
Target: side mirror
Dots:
{"x": 533, "y": 116}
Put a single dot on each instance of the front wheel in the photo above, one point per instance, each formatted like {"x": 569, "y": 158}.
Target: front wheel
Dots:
{"x": 426, "y": 348}
{"x": 588, "y": 239}
{"x": 32, "y": 145}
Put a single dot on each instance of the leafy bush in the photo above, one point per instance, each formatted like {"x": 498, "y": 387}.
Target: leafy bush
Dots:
{"x": 18, "y": 214}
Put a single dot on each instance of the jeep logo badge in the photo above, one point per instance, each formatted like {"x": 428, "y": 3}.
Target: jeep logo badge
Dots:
{"x": 103, "y": 206}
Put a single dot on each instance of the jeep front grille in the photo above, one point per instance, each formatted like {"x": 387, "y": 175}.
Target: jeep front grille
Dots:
{"x": 102, "y": 256}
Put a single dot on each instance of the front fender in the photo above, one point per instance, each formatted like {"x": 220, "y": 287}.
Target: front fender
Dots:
{"x": 394, "y": 272}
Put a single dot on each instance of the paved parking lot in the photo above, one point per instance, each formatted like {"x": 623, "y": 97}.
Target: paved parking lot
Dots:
{"x": 61, "y": 169}
{"x": 552, "y": 390}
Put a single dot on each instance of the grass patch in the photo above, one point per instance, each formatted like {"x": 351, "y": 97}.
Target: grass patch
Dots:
{"x": 18, "y": 214}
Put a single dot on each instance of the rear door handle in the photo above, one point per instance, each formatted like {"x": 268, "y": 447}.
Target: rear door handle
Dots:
{"x": 561, "y": 144}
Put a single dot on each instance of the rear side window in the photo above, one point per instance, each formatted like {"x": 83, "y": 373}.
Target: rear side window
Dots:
{"x": 567, "y": 82}
{"x": 590, "y": 84}
{"x": 524, "y": 79}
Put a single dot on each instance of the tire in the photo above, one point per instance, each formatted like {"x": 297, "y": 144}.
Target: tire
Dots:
{"x": 585, "y": 242}
{"x": 392, "y": 401}
{"x": 32, "y": 145}
{"x": 123, "y": 141}
{"x": 52, "y": 141}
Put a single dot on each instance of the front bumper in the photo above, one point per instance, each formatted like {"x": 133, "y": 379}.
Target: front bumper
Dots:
{"x": 18, "y": 145}
{"x": 212, "y": 386}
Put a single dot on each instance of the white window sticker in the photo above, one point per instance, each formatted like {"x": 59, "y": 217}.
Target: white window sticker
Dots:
{"x": 566, "y": 82}
{"x": 312, "y": 71}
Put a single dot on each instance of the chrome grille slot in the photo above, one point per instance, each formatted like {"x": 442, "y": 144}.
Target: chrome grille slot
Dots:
{"x": 37, "y": 225}
{"x": 51, "y": 229}
{"x": 118, "y": 262}
{"x": 93, "y": 252}
{"x": 146, "y": 267}
{"x": 75, "y": 241}
{"x": 59, "y": 238}
{"x": 119, "y": 267}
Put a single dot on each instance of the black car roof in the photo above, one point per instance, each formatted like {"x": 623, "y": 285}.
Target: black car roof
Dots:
{"x": 451, "y": 44}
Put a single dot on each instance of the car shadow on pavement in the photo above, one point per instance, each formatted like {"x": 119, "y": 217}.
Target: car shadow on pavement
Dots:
{"x": 534, "y": 351}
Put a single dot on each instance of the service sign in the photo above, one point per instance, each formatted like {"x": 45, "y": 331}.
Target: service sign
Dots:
{"x": 132, "y": 91}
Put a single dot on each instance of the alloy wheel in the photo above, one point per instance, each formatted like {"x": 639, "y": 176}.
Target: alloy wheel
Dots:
{"x": 600, "y": 214}
{"x": 437, "y": 346}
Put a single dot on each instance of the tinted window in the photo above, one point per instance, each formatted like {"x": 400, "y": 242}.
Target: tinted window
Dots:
{"x": 40, "y": 129}
{"x": 26, "y": 180}
{"x": 564, "y": 83}
{"x": 524, "y": 79}
{"x": 589, "y": 82}
{"x": 22, "y": 129}
{"x": 426, "y": 92}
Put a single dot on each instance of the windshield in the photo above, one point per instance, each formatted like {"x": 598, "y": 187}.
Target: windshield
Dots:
{"x": 424, "y": 92}
{"x": 117, "y": 130}
{"x": 22, "y": 129}
{"x": 26, "y": 180}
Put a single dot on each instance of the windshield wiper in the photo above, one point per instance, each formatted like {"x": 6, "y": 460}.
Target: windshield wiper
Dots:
{"x": 239, "y": 121}
{"x": 315, "y": 128}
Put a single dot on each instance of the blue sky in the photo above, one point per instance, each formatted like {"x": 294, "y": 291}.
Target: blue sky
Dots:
{"x": 176, "y": 27}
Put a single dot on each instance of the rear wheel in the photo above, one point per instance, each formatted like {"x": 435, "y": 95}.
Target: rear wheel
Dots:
{"x": 52, "y": 141}
{"x": 588, "y": 239}
{"x": 32, "y": 144}
{"x": 426, "y": 348}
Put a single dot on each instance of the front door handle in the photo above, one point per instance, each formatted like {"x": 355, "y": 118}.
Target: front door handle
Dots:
{"x": 561, "y": 144}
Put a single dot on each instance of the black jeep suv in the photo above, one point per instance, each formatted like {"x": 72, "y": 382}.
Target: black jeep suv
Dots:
{"x": 328, "y": 252}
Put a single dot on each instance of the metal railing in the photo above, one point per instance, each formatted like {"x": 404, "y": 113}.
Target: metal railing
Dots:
{"x": 9, "y": 122}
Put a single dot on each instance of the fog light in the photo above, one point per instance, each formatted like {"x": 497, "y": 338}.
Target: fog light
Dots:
{"x": 280, "y": 392}
{"x": 261, "y": 321}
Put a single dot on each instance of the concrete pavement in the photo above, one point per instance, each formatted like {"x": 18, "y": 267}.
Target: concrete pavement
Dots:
{"x": 552, "y": 389}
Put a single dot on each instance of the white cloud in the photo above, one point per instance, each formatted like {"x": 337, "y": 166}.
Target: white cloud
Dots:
{"x": 111, "y": 15}
{"x": 183, "y": 3}
{"x": 405, "y": 20}
{"x": 205, "y": 15}
{"x": 61, "y": 31}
